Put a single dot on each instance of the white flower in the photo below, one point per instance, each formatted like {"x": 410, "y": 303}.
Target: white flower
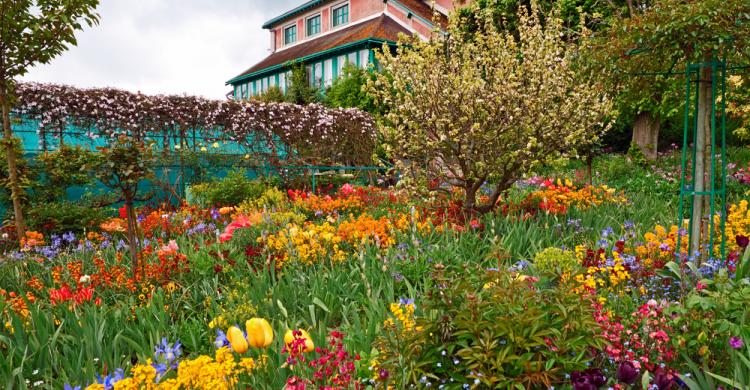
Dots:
{"x": 84, "y": 279}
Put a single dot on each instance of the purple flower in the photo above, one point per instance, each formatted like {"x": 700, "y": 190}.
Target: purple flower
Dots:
{"x": 663, "y": 380}
{"x": 590, "y": 379}
{"x": 627, "y": 373}
{"x": 221, "y": 339}
{"x": 742, "y": 241}
{"x": 735, "y": 342}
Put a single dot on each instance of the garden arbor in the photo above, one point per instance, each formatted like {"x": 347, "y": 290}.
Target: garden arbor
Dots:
{"x": 279, "y": 134}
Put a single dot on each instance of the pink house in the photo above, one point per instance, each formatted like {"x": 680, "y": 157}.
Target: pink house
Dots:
{"x": 326, "y": 34}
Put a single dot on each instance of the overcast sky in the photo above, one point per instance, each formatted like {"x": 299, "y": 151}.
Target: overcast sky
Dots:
{"x": 167, "y": 46}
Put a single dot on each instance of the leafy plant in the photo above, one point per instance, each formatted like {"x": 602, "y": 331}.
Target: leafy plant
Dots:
{"x": 493, "y": 328}
{"x": 555, "y": 261}
{"x": 65, "y": 216}
{"x": 232, "y": 190}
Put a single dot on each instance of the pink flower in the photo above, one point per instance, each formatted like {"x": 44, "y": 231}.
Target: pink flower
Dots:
{"x": 171, "y": 246}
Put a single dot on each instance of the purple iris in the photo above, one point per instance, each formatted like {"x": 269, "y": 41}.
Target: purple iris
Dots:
{"x": 110, "y": 380}
{"x": 735, "y": 342}
{"x": 170, "y": 352}
{"x": 221, "y": 339}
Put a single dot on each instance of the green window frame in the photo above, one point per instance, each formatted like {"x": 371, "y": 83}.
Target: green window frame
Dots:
{"x": 340, "y": 15}
{"x": 313, "y": 25}
{"x": 290, "y": 34}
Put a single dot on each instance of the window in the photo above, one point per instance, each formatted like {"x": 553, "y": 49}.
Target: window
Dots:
{"x": 328, "y": 72}
{"x": 364, "y": 57}
{"x": 313, "y": 25}
{"x": 340, "y": 15}
{"x": 318, "y": 75}
{"x": 282, "y": 82}
{"x": 290, "y": 35}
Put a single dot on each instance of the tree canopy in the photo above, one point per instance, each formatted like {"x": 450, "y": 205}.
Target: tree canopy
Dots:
{"x": 470, "y": 110}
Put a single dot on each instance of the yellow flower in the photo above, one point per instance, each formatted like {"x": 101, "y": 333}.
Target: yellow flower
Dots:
{"x": 237, "y": 340}
{"x": 259, "y": 332}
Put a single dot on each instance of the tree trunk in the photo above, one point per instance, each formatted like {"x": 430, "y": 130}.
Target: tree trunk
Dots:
{"x": 132, "y": 224}
{"x": 10, "y": 151}
{"x": 646, "y": 134}
{"x": 703, "y": 141}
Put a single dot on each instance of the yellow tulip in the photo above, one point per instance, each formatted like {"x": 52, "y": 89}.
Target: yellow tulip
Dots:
{"x": 259, "y": 332}
{"x": 237, "y": 340}
{"x": 289, "y": 338}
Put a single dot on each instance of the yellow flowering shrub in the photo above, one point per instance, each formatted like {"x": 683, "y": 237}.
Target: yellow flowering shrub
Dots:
{"x": 401, "y": 318}
{"x": 203, "y": 372}
{"x": 308, "y": 244}
{"x": 660, "y": 245}
{"x": 737, "y": 223}
{"x": 604, "y": 277}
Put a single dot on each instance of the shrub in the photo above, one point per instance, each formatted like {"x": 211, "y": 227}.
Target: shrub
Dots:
{"x": 229, "y": 191}
{"x": 62, "y": 168}
{"x": 555, "y": 261}
{"x": 495, "y": 328}
{"x": 272, "y": 199}
{"x": 63, "y": 217}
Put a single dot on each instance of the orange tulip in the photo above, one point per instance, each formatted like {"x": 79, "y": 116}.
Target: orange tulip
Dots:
{"x": 259, "y": 332}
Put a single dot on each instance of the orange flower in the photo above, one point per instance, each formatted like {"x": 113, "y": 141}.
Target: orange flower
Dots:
{"x": 114, "y": 225}
{"x": 31, "y": 240}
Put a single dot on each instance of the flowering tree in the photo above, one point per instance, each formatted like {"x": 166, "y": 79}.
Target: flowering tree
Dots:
{"x": 280, "y": 133}
{"x": 474, "y": 109}
{"x": 32, "y": 32}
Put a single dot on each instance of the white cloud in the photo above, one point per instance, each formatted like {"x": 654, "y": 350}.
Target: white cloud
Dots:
{"x": 166, "y": 46}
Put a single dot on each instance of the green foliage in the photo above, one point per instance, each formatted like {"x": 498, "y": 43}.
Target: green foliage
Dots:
{"x": 229, "y": 191}
{"x": 494, "y": 328}
{"x": 272, "y": 95}
{"x": 64, "y": 216}
{"x": 36, "y": 31}
{"x": 63, "y": 168}
{"x": 123, "y": 165}
{"x": 298, "y": 90}
{"x": 348, "y": 90}
{"x": 555, "y": 261}
{"x": 27, "y": 175}
{"x": 637, "y": 157}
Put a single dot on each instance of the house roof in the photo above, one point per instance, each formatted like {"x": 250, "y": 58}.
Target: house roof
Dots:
{"x": 381, "y": 28}
{"x": 422, "y": 9}
{"x": 302, "y": 8}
